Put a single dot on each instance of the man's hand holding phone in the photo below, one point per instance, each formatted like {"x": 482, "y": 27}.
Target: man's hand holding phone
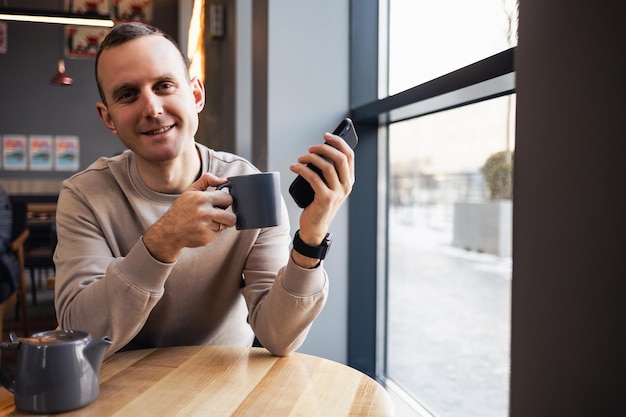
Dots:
{"x": 325, "y": 179}
{"x": 300, "y": 189}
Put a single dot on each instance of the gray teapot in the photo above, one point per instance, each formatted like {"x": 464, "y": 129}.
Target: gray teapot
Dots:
{"x": 56, "y": 370}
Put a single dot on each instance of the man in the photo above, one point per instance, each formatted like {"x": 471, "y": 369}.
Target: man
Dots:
{"x": 146, "y": 252}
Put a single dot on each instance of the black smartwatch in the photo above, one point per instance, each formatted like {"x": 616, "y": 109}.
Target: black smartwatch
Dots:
{"x": 315, "y": 252}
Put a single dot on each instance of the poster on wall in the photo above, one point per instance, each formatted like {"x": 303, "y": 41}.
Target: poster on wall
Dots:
{"x": 66, "y": 153}
{"x": 132, "y": 10}
{"x": 14, "y": 152}
{"x": 83, "y": 41}
{"x": 3, "y": 38}
{"x": 40, "y": 152}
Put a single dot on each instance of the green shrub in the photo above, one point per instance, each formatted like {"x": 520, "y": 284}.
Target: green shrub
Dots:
{"x": 498, "y": 172}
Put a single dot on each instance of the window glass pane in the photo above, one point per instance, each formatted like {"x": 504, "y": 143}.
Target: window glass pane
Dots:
{"x": 450, "y": 262}
{"x": 430, "y": 38}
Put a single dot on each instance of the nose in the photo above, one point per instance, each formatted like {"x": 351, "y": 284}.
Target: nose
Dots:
{"x": 153, "y": 105}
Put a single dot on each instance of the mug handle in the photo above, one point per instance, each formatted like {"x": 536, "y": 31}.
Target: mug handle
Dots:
{"x": 5, "y": 379}
{"x": 225, "y": 185}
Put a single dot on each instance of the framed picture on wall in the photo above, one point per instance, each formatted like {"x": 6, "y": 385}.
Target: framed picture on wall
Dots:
{"x": 132, "y": 10}
{"x": 14, "y": 152}
{"x": 66, "y": 153}
{"x": 89, "y": 7}
{"x": 3, "y": 38}
{"x": 83, "y": 41}
{"x": 40, "y": 152}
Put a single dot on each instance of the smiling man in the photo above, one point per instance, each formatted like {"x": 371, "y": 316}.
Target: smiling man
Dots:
{"x": 146, "y": 252}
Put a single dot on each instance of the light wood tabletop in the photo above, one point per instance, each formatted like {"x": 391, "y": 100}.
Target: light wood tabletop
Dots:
{"x": 227, "y": 381}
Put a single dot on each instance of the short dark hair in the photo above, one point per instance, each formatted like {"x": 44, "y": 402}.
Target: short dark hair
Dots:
{"x": 125, "y": 32}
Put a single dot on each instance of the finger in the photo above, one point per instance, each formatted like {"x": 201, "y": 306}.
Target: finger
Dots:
{"x": 220, "y": 212}
{"x": 332, "y": 170}
{"x": 225, "y": 217}
{"x": 305, "y": 171}
{"x": 336, "y": 150}
{"x": 216, "y": 227}
{"x": 219, "y": 199}
{"x": 344, "y": 162}
{"x": 338, "y": 142}
{"x": 207, "y": 180}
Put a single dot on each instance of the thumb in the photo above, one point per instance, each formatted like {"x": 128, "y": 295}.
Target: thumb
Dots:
{"x": 205, "y": 181}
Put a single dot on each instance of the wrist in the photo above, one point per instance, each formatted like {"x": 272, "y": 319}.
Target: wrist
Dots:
{"x": 159, "y": 247}
{"x": 304, "y": 261}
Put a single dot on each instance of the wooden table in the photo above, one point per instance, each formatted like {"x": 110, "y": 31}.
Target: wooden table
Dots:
{"x": 212, "y": 381}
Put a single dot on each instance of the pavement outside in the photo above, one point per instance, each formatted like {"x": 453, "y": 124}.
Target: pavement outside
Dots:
{"x": 449, "y": 317}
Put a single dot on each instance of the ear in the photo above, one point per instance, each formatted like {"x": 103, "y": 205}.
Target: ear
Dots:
{"x": 198, "y": 93}
{"x": 105, "y": 116}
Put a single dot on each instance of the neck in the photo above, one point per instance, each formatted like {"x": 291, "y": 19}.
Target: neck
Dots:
{"x": 171, "y": 177}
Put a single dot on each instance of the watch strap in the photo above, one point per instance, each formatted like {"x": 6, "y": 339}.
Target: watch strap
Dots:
{"x": 315, "y": 252}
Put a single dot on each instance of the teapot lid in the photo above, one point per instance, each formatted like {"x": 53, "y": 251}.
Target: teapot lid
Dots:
{"x": 52, "y": 337}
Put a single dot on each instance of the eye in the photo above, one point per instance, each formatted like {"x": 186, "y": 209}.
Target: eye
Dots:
{"x": 126, "y": 96}
{"x": 165, "y": 86}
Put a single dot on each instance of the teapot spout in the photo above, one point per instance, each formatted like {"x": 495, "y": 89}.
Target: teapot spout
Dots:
{"x": 94, "y": 352}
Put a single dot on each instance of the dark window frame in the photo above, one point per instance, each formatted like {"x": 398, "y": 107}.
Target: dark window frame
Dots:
{"x": 483, "y": 80}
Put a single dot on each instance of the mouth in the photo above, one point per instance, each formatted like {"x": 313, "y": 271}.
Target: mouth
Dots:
{"x": 158, "y": 131}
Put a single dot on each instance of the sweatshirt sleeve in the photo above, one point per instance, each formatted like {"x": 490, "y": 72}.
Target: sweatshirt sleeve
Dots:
{"x": 282, "y": 304}
{"x": 97, "y": 290}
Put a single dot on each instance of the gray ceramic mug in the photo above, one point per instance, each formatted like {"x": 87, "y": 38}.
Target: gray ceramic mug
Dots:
{"x": 256, "y": 199}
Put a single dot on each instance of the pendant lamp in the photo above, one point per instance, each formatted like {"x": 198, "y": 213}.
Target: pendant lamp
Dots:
{"x": 61, "y": 78}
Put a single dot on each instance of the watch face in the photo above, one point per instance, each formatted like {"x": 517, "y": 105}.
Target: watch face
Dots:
{"x": 328, "y": 240}
{"x": 326, "y": 245}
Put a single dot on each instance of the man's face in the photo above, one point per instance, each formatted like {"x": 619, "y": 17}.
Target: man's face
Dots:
{"x": 151, "y": 104}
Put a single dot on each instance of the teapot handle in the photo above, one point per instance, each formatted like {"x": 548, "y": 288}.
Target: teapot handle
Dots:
{"x": 6, "y": 380}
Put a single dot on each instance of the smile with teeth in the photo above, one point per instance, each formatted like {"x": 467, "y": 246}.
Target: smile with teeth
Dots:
{"x": 159, "y": 131}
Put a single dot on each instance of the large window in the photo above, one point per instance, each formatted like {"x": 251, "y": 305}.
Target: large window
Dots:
{"x": 449, "y": 266}
{"x": 430, "y": 38}
{"x": 445, "y": 144}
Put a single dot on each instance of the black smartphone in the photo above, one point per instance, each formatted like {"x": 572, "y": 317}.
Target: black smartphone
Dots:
{"x": 300, "y": 189}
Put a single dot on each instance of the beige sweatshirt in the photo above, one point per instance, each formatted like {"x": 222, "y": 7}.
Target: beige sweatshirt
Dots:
{"x": 108, "y": 284}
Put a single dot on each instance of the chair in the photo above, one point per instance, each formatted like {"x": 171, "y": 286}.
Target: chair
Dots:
{"x": 18, "y": 298}
{"x": 39, "y": 248}
{"x": 38, "y": 260}
{"x": 19, "y": 237}
{"x": 53, "y": 241}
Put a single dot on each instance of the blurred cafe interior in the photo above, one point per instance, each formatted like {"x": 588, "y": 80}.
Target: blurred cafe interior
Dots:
{"x": 514, "y": 104}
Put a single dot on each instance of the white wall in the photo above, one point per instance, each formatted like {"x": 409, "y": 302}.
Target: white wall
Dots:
{"x": 243, "y": 88}
{"x": 308, "y": 95}
{"x": 185, "y": 8}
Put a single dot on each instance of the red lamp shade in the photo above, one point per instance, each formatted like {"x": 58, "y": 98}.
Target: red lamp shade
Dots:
{"x": 61, "y": 78}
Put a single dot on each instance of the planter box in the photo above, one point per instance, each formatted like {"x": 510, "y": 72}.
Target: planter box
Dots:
{"x": 484, "y": 227}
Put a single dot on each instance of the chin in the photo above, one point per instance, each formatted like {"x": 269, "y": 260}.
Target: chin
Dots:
{"x": 163, "y": 152}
